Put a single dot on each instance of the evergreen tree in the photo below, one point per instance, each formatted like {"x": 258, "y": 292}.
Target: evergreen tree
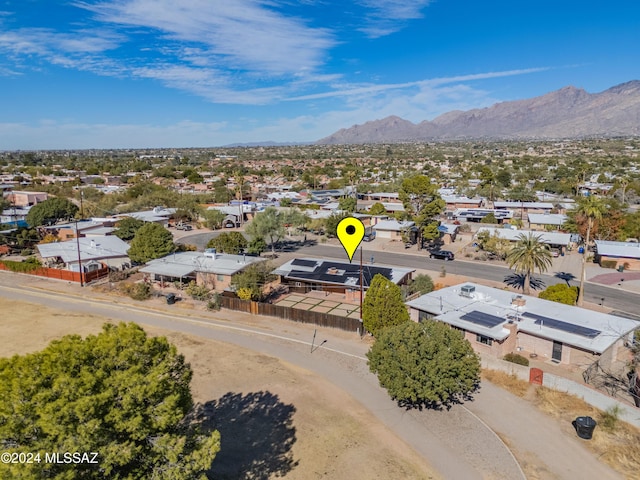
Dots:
{"x": 383, "y": 306}
{"x": 229, "y": 242}
{"x": 527, "y": 255}
{"x": 51, "y": 211}
{"x": 119, "y": 393}
{"x": 424, "y": 364}
{"x": 127, "y": 228}
{"x": 151, "y": 241}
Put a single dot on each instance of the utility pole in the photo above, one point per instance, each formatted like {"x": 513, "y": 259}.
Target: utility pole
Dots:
{"x": 361, "y": 293}
{"x": 79, "y": 257}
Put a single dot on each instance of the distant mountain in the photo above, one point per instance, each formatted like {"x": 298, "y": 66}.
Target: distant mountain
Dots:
{"x": 264, "y": 144}
{"x": 566, "y": 113}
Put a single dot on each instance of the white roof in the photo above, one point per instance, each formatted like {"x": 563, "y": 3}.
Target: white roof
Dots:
{"x": 539, "y": 205}
{"x": 93, "y": 248}
{"x": 536, "y": 317}
{"x": 155, "y": 215}
{"x": 461, "y": 199}
{"x": 393, "y": 225}
{"x": 618, "y": 249}
{"x": 182, "y": 263}
{"x": 547, "y": 218}
{"x": 550, "y": 238}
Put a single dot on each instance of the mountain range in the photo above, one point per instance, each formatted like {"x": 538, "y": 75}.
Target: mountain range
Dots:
{"x": 566, "y": 113}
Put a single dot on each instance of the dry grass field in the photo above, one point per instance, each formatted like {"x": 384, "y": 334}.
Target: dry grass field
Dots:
{"x": 614, "y": 442}
{"x": 276, "y": 420}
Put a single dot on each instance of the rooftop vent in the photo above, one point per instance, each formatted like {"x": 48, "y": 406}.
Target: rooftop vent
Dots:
{"x": 518, "y": 301}
{"x": 210, "y": 253}
{"x": 467, "y": 291}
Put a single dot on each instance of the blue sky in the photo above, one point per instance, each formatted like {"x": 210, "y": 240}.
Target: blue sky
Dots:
{"x": 201, "y": 73}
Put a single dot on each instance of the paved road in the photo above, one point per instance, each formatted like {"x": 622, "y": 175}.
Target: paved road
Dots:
{"x": 456, "y": 443}
{"x": 615, "y": 298}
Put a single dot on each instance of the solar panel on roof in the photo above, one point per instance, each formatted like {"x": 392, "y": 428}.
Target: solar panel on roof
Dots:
{"x": 482, "y": 319}
{"x": 304, "y": 263}
{"x": 563, "y": 326}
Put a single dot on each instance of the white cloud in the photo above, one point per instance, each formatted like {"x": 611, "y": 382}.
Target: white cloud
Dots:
{"x": 242, "y": 34}
{"x": 377, "y": 88}
{"x": 388, "y": 16}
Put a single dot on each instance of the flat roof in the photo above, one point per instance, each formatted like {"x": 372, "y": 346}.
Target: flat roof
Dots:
{"x": 550, "y": 238}
{"x": 180, "y": 264}
{"x": 91, "y": 248}
{"x": 547, "y": 218}
{"x": 618, "y": 249}
{"x": 586, "y": 329}
{"x": 338, "y": 273}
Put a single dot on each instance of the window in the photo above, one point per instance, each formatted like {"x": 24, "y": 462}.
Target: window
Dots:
{"x": 422, "y": 316}
{"x": 219, "y": 278}
{"x": 484, "y": 340}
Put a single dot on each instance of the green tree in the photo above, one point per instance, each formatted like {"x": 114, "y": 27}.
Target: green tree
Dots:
{"x": 119, "y": 393}
{"x": 127, "y": 228}
{"x": 422, "y": 203}
{"x": 494, "y": 244}
{"x": 347, "y": 204}
{"x": 213, "y": 218}
{"x": 268, "y": 224}
{"x": 377, "y": 209}
{"x": 229, "y": 242}
{"x": 560, "y": 293}
{"x": 257, "y": 245}
{"x": 249, "y": 284}
{"x": 421, "y": 284}
{"x": 527, "y": 255}
{"x": 331, "y": 223}
{"x": 151, "y": 241}
{"x": 383, "y": 306}
{"x": 424, "y": 364}
{"x": 51, "y": 211}
{"x": 489, "y": 218}
{"x": 588, "y": 210}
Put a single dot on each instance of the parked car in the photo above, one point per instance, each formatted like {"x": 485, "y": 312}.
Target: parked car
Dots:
{"x": 445, "y": 255}
{"x": 369, "y": 237}
{"x": 186, "y": 228}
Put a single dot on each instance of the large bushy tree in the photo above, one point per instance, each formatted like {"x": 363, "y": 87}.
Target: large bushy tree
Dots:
{"x": 120, "y": 394}
{"x": 249, "y": 284}
{"x": 560, "y": 293}
{"x": 423, "y": 204}
{"x": 151, "y": 241}
{"x": 51, "y": 211}
{"x": 127, "y": 228}
{"x": 229, "y": 242}
{"x": 424, "y": 364}
{"x": 383, "y": 306}
{"x": 269, "y": 225}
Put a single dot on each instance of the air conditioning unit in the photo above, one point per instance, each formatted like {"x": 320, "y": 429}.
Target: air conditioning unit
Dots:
{"x": 467, "y": 291}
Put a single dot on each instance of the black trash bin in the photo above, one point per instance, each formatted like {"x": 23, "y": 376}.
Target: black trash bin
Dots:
{"x": 171, "y": 298}
{"x": 585, "y": 427}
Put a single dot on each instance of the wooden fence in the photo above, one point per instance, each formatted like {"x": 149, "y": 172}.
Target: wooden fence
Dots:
{"x": 67, "y": 275}
{"x": 293, "y": 314}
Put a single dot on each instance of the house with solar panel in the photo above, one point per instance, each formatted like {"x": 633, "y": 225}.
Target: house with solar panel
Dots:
{"x": 497, "y": 322}
{"x": 303, "y": 275}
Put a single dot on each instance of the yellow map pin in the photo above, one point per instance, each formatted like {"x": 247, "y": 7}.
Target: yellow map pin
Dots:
{"x": 350, "y": 232}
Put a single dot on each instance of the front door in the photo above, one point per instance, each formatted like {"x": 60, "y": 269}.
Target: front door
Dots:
{"x": 556, "y": 354}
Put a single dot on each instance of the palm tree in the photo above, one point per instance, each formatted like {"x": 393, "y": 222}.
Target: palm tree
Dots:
{"x": 590, "y": 209}
{"x": 527, "y": 255}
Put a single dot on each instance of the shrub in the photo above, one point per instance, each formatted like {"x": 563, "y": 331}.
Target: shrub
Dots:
{"x": 29, "y": 265}
{"x": 26, "y": 252}
{"x": 560, "y": 293}
{"x": 197, "y": 292}
{"x": 214, "y": 302}
{"x": 610, "y": 417}
{"x": 608, "y": 263}
{"x": 515, "y": 358}
{"x": 137, "y": 291}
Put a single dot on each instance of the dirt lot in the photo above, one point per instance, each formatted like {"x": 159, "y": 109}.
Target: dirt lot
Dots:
{"x": 275, "y": 419}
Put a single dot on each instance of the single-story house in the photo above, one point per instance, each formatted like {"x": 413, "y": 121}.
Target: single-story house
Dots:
{"x": 382, "y": 197}
{"x": 553, "y": 239}
{"x": 540, "y": 221}
{"x": 620, "y": 252}
{"x": 393, "y": 229}
{"x": 306, "y": 274}
{"x": 524, "y": 208}
{"x": 93, "y": 228}
{"x": 211, "y": 269}
{"x": 25, "y": 199}
{"x": 498, "y": 322}
{"x": 448, "y": 232}
{"x": 14, "y": 215}
{"x": 107, "y": 250}
{"x": 454, "y": 201}
{"x": 157, "y": 215}
{"x": 477, "y": 214}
